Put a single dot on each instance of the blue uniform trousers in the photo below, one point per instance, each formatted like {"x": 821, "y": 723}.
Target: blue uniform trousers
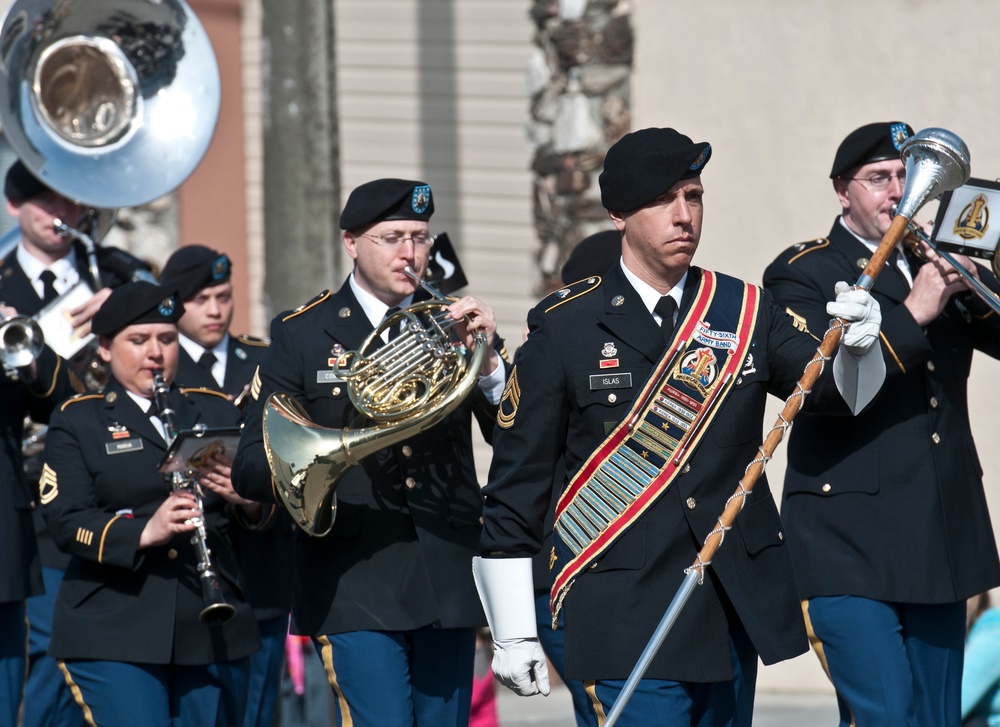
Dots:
{"x": 13, "y": 659}
{"x": 554, "y": 644}
{"x": 47, "y": 699}
{"x": 892, "y": 664}
{"x": 265, "y": 673}
{"x": 122, "y": 694}
{"x": 419, "y": 678}
{"x": 667, "y": 703}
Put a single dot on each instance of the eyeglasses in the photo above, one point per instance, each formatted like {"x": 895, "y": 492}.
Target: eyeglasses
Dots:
{"x": 395, "y": 239}
{"x": 879, "y": 181}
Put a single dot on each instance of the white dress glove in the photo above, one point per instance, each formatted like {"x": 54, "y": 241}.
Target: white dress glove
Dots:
{"x": 508, "y": 597}
{"x": 519, "y": 664}
{"x": 858, "y": 306}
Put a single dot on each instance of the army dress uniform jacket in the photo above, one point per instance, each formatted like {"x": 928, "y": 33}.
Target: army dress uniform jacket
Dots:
{"x": 889, "y": 506}
{"x": 616, "y": 602}
{"x": 20, "y": 566}
{"x": 263, "y": 550}
{"x": 243, "y": 353}
{"x": 16, "y": 290}
{"x": 408, "y": 518}
{"x": 99, "y": 487}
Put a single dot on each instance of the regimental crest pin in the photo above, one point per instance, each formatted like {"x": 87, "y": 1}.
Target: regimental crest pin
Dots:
{"x": 421, "y": 198}
{"x": 240, "y": 354}
{"x": 562, "y": 293}
{"x": 609, "y": 350}
{"x": 899, "y": 135}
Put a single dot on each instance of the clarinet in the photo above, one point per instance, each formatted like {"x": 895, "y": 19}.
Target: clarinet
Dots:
{"x": 216, "y": 609}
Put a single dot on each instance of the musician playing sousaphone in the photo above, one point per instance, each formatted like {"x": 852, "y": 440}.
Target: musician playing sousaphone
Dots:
{"x": 50, "y": 269}
{"x": 388, "y": 595}
{"x": 650, "y": 382}
{"x": 128, "y": 628}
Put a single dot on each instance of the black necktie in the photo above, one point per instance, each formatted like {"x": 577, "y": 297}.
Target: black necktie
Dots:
{"x": 665, "y": 308}
{"x": 153, "y": 410}
{"x": 894, "y": 261}
{"x": 207, "y": 361}
{"x": 394, "y": 331}
{"x": 49, "y": 292}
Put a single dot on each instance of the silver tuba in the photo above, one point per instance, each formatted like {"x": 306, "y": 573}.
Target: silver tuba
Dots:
{"x": 111, "y": 103}
{"x": 404, "y": 388}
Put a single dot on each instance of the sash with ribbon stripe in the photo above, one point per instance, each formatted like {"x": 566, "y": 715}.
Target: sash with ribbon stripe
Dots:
{"x": 643, "y": 454}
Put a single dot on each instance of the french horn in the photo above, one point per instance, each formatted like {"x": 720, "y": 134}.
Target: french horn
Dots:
{"x": 403, "y": 388}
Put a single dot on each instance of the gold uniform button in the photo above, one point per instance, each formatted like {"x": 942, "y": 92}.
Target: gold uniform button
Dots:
{"x": 336, "y": 391}
{"x": 407, "y": 450}
{"x": 934, "y": 402}
{"x": 481, "y": 521}
{"x": 781, "y": 535}
{"x": 687, "y": 468}
{"x": 172, "y": 554}
{"x": 936, "y": 438}
{"x": 32, "y": 504}
{"x": 691, "y": 503}
{"x": 410, "y": 483}
{"x": 826, "y": 487}
{"x": 930, "y": 366}
{"x": 612, "y": 398}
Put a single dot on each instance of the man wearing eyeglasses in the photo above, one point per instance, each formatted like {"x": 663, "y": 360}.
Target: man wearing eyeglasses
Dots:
{"x": 886, "y": 515}
{"x": 388, "y": 595}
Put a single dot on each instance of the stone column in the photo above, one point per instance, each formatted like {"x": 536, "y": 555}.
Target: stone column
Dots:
{"x": 578, "y": 79}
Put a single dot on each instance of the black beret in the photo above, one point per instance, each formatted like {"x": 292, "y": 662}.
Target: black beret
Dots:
{"x": 642, "y": 165}
{"x": 138, "y": 302}
{"x": 387, "y": 199}
{"x": 193, "y": 267}
{"x": 21, "y": 185}
{"x": 871, "y": 143}
{"x": 594, "y": 255}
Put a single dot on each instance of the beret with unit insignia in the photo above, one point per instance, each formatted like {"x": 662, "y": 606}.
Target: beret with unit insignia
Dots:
{"x": 870, "y": 143}
{"x": 134, "y": 303}
{"x": 193, "y": 267}
{"x": 387, "y": 199}
{"x": 642, "y": 165}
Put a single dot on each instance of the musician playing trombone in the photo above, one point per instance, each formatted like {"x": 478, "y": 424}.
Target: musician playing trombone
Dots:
{"x": 886, "y": 515}
{"x": 650, "y": 382}
{"x": 388, "y": 595}
{"x": 127, "y": 627}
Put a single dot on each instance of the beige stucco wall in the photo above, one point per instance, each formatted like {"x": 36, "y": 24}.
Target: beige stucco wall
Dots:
{"x": 775, "y": 86}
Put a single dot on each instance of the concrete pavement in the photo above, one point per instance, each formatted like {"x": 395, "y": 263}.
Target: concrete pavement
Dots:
{"x": 771, "y": 710}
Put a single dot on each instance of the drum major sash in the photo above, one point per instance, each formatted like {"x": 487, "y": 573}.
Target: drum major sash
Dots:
{"x": 644, "y": 454}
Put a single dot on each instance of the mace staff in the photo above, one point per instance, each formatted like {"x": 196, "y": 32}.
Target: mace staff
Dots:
{"x": 937, "y": 161}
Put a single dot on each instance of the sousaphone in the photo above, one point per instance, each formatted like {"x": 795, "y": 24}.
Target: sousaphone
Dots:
{"x": 111, "y": 103}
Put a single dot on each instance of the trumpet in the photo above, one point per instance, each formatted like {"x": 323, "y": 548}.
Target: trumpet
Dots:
{"x": 21, "y": 340}
{"x": 915, "y": 235}
{"x": 216, "y": 609}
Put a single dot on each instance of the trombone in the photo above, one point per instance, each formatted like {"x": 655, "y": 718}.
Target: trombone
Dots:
{"x": 916, "y": 233}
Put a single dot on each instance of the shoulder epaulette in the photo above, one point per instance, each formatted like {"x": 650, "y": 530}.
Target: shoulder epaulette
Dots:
{"x": 253, "y": 340}
{"x": 202, "y": 390}
{"x": 78, "y": 398}
{"x": 570, "y": 292}
{"x": 799, "y": 249}
{"x": 306, "y": 306}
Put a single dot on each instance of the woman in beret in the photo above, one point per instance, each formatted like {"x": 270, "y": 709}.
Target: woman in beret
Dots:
{"x": 126, "y": 628}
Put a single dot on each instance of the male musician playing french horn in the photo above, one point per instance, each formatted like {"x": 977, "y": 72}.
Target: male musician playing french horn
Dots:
{"x": 625, "y": 531}
{"x": 127, "y": 627}
{"x": 387, "y": 596}
{"x": 889, "y": 528}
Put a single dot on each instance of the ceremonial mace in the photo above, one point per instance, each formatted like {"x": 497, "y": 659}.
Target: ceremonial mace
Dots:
{"x": 937, "y": 161}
